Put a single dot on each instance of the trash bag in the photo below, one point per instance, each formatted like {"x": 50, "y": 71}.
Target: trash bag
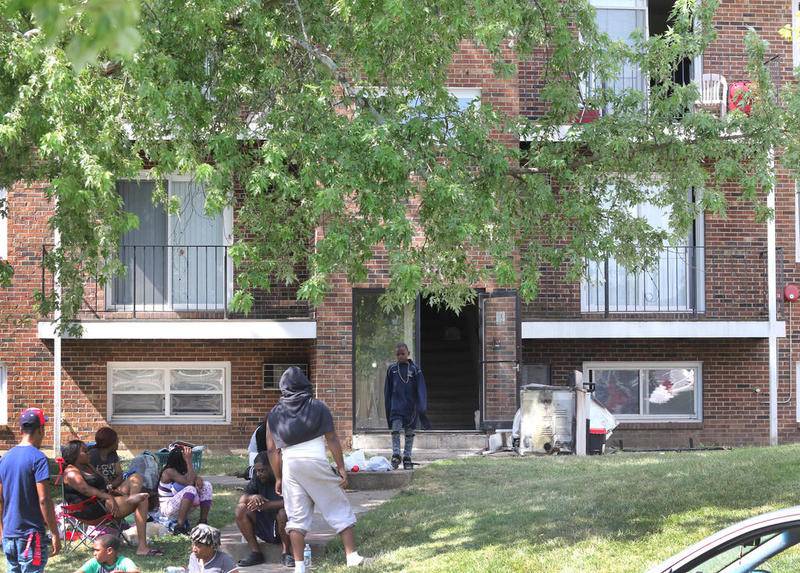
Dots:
{"x": 378, "y": 464}
{"x": 355, "y": 458}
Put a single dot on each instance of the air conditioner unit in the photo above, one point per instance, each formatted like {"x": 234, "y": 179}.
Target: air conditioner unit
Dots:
{"x": 271, "y": 375}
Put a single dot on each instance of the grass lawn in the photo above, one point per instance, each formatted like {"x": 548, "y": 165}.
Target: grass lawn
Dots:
{"x": 617, "y": 513}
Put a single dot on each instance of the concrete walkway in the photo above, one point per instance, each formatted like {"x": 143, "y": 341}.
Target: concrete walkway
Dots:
{"x": 318, "y": 537}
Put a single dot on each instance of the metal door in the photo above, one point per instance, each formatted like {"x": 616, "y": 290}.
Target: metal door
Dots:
{"x": 500, "y": 334}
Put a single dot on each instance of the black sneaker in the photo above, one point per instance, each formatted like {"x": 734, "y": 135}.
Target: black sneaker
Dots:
{"x": 287, "y": 560}
{"x": 180, "y": 530}
{"x": 255, "y": 558}
{"x": 395, "y": 462}
{"x": 407, "y": 465}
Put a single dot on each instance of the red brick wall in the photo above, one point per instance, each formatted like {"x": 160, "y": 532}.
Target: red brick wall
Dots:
{"x": 29, "y": 363}
{"x": 84, "y": 382}
{"x": 733, "y": 413}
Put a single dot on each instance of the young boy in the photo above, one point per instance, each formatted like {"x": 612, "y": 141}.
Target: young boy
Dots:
{"x": 260, "y": 515}
{"x": 107, "y": 558}
{"x": 406, "y": 399}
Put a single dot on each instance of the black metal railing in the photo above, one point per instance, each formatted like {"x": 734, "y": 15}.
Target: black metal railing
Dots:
{"x": 180, "y": 278}
{"x": 675, "y": 283}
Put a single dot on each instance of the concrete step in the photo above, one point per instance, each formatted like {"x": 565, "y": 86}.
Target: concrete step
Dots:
{"x": 425, "y": 440}
{"x": 366, "y": 481}
{"x": 423, "y": 457}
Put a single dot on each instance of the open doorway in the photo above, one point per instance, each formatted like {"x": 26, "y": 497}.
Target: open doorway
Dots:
{"x": 450, "y": 360}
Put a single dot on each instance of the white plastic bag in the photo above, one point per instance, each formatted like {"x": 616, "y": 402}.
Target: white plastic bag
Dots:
{"x": 355, "y": 458}
{"x": 378, "y": 464}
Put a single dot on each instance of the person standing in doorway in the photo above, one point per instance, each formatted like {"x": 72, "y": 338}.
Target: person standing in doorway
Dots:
{"x": 406, "y": 399}
{"x": 298, "y": 427}
{"x": 25, "y": 501}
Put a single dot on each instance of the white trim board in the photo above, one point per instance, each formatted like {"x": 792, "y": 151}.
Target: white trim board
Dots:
{"x": 650, "y": 329}
{"x": 189, "y": 329}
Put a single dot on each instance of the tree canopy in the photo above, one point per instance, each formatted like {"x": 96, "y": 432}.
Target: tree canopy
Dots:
{"x": 336, "y": 116}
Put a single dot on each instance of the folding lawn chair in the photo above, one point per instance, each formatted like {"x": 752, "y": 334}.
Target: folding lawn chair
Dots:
{"x": 77, "y": 531}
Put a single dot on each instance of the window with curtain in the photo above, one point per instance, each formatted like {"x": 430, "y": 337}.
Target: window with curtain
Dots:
{"x": 158, "y": 392}
{"x": 645, "y": 391}
{"x": 673, "y": 284}
{"x": 172, "y": 260}
{"x": 3, "y": 224}
{"x": 619, "y": 19}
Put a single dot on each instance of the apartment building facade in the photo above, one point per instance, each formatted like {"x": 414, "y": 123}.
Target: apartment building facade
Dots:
{"x": 686, "y": 353}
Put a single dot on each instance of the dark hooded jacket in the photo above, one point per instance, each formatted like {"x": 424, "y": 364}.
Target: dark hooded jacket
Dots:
{"x": 298, "y": 417}
{"x": 406, "y": 396}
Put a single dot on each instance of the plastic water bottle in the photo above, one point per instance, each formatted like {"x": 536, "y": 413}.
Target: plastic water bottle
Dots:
{"x": 307, "y": 556}
{"x": 175, "y": 570}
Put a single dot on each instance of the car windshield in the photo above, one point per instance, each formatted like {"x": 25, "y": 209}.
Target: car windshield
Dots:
{"x": 722, "y": 560}
{"x": 774, "y": 552}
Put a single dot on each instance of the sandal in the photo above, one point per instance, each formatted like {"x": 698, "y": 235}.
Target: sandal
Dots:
{"x": 152, "y": 552}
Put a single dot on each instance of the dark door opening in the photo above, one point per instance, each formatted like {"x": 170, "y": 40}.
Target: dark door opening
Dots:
{"x": 450, "y": 360}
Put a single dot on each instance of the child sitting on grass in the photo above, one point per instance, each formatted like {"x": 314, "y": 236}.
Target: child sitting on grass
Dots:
{"x": 107, "y": 558}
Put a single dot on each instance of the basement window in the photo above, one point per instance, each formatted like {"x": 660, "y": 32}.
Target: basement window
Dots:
{"x": 169, "y": 392}
{"x": 648, "y": 392}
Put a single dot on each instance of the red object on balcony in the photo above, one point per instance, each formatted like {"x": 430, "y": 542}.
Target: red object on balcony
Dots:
{"x": 587, "y": 116}
{"x": 736, "y": 97}
{"x": 791, "y": 293}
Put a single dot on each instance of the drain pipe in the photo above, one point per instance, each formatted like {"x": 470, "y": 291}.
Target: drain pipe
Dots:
{"x": 772, "y": 294}
{"x": 57, "y": 358}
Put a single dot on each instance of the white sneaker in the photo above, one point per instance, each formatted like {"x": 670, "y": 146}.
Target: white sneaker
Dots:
{"x": 356, "y": 560}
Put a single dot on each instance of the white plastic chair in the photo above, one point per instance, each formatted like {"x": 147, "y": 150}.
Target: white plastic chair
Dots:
{"x": 714, "y": 90}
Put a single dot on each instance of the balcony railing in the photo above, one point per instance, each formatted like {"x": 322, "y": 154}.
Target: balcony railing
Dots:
{"x": 162, "y": 278}
{"x": 675, "y": 284}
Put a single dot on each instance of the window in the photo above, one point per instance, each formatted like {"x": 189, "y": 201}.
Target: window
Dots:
{"x": 620, "y": 19}
{"x": 3, "y": 395}
{"x": 173, "y": 261}
{"x": 675, "y": 283}
{"x": 3, "y": 224}
{"x": 273, "y": 373}
{"x": 797, "y": 222}
{"x": 648, "y": 391}
{"x": 169, "y": 392}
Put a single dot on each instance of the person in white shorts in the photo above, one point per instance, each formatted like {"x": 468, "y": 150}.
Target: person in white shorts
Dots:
{"x": 297, "y": 429}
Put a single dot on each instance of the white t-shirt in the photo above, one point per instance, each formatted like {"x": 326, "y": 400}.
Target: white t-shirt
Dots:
{"x": 312, "y": 449}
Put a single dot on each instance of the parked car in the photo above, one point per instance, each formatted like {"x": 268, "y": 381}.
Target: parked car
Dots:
{"x": 753, "y": 545}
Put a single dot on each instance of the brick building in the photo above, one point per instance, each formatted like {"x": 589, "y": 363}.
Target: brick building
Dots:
{"x": 688, "y": 351}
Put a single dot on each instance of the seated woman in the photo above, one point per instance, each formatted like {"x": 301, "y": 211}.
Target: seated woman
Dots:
{"x": 180, "y": 490}
{"x": 103, "y": 456}
{"x": 81, "y": 482}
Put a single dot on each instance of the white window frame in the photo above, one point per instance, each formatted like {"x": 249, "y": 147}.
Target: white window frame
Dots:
{"x": 473, "y": 94}
{"x": 227, "y": 240}
{"x": 4, "y": 227}
{"x": 3, "y": 395}
{"x": 166, "y": 419}
{"x": 796, "y": 222}
{"x": 795, "y": 31}
{"x": 642, "y": 367}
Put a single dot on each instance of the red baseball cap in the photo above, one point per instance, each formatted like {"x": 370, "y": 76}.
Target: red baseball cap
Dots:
{"x": 32, "y": 418}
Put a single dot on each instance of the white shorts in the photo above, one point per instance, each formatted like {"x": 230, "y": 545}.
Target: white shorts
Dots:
{"x": 308, "y": 483}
